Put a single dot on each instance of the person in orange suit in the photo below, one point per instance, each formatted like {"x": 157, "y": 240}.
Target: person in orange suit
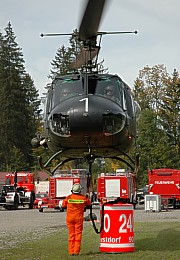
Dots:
{"x": 75, "y": 204}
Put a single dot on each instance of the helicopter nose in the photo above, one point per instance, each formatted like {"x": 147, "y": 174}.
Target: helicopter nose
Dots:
{"x": 99, "y": 117}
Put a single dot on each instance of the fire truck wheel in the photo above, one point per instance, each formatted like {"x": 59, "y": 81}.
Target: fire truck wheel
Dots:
{"x": 41, "y": 210}
{"x": 7, "y": 207}
{"x": 16, "y": 201}
{"x": 32, "y": 198}
{"x": 134, "y": 205}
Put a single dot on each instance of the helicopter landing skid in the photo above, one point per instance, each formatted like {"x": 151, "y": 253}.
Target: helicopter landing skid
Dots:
{"x": 45, "y": 166}
{"x": 90, "y": 160}
{"x": 133, "y": 164}
{"x": 124, "y": 161}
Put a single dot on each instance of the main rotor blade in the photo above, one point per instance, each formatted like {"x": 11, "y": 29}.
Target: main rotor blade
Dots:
{"x": 91, "y": 19}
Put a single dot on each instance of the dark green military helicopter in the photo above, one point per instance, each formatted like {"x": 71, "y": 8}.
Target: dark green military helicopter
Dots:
{"x": 89, "y": 114}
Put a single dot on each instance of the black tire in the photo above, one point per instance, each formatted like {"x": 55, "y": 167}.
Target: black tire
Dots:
{"x": 7, "y": 207}
{"x": 16, "y": 202}
{"x": 41, "y": 210}
{"x": 32, "y": 198}
{"x": 134, "y": 205}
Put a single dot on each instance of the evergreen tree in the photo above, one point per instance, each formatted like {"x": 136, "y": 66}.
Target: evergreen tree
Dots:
{"x": 66, "y": 57}
{"x": 17, "y": 98}
{"x": 75, "y": 45}
{"x": 61, "y": 63}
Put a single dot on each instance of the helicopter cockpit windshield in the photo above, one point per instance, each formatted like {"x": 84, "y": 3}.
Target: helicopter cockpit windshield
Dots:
{"x": 104, "y": 86}
{"x": 65, "y": 88}
{"x": 108, "y": 87}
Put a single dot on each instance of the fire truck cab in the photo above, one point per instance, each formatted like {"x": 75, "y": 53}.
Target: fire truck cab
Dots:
{"x": 166, "y": 183}
{"x": 19, "y": 190}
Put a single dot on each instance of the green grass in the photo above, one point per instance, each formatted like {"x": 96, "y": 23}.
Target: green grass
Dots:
{"x": 159, "y": 241}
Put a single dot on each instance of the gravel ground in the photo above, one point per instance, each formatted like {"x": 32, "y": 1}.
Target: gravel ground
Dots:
{"x": 23, "y": 222}
{"x": 170, "y": 215}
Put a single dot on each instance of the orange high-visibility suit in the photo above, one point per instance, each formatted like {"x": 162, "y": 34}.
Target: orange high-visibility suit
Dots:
{"x": 75, "y": 204}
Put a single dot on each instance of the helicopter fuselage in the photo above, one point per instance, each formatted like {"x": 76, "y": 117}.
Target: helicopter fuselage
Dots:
{"x": 90, "y": 114}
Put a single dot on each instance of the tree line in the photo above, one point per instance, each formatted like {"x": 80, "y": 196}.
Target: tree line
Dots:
{"x": 158, "y": 142}
{"x": 19, "y": 101}
{"x": 156, "y": 91}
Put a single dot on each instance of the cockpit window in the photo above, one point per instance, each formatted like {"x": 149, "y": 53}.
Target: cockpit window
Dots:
{"x": 109, "y": 87}
{"x": 65, "y": 88}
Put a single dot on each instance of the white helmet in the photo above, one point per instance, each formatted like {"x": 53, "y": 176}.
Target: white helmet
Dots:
{"x": 76, "y": 188}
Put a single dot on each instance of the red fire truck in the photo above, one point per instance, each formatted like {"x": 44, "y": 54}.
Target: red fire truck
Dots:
{"x": 121, "y": 184}
{"x": 19, "y": 190}
{"x": 166, "y": 183}
{"x": 60, "y": 186}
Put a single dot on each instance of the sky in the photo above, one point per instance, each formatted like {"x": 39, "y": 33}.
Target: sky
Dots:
{"x": 157, "y": 41}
